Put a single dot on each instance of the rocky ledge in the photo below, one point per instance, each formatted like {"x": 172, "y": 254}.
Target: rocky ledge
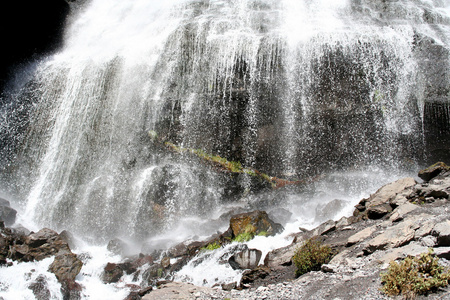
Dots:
{"x": 401, "y": 219}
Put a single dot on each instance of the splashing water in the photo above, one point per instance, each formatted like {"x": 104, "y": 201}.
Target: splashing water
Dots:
{"x": 293, "y": 89}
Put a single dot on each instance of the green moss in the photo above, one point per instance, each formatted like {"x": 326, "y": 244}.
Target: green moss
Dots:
{"x": 235, "y": 166}
{"x": 378, "y": 96}
{"x": 153, "y": 135}
{"x": 243, "y": 237}
{"x": 174, "y": 147}
{"x": 230, "y": 166}
{"x": 248, "y": 234}
{"x": 414, "y": 276}
{"x": 250, "y": 172}
{"x": 212, "y": 246}
{"x": 263, "y": 233}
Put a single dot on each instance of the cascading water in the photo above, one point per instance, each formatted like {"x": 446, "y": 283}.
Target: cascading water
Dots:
{"x": 290, "y": 88}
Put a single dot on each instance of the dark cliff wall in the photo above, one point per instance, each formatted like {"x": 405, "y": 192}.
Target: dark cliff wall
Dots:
{"x": 29, "y": 29}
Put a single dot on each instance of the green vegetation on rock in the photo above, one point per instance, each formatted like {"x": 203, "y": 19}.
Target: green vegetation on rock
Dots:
{"x": 311, "y": 256}
{"x": 153, "y": 135}
{"x": 212, "y": 246}
{"x": 414, "y": 276}
{"x": 243, "y": 237}
{"x": 230, "y": 166}
{"x": 247, "y": 235}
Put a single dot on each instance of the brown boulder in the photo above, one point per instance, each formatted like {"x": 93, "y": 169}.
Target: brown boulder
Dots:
{"x": 112, "y": 273}
{"x": 165, "y": 262}
{"x": 71, "y": 290}
{"x": 433, "y": 171}
{"x": 254, "y": 223}
{"x": 137, "y": 295}
{"x": 40, "y": 288}
{"x": 250, "y": 276}
{"x": 39, "y": 245}
{"x": 66, "y": 266}
{"x": 4, "y": 249}
{"x": 393, "y": 237}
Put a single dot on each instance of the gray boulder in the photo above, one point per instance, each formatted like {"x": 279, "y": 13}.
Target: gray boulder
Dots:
{"x": 8, "y": 215}
{"x": 393, "y": 237}
{"x": 325, "y": 228}
{"x": 389, "y": 191}
{"x": 442, "y": 232}
{"x": 330, "y": 210}
{"x": 4, "y": 202}
{"x": 118, "y": 247}
{"x": 247, "y": 259}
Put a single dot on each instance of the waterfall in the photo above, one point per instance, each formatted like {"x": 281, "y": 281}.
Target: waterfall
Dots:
{"x": 293, "y": 89}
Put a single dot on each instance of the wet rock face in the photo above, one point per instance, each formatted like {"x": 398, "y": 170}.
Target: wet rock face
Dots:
{"x": 40, "y": 288}
{"x": 66, "y": 267}
{"x": 112, "y": 273}
{"x": 433, "y": 171}
{"x": 38, "y": 246}
{"x": 437, "y": 131}
{"x": 8, "y": 215}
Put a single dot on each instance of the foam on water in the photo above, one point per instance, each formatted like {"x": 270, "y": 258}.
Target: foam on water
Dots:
{"x": 15, "y": 280}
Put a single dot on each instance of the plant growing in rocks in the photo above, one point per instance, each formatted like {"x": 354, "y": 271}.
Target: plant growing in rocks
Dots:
{"x": 247, "y": 235}
{"x": 414, "y": 276}
{"x": 212, "y": 246}
{"x": 311, "y": 256}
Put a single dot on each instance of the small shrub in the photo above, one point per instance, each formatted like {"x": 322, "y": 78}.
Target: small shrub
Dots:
{"x": 311, "y": 256}
{"x": 414, "y": 276}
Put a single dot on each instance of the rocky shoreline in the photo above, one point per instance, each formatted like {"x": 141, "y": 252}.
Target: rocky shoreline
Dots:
{"x": 403, "y": 218}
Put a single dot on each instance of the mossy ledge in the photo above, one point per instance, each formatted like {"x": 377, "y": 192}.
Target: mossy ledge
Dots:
{"x": 224, "y": 165}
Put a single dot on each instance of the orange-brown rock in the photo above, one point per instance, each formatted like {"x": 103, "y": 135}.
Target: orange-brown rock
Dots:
{"x": 254, "y": 223}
